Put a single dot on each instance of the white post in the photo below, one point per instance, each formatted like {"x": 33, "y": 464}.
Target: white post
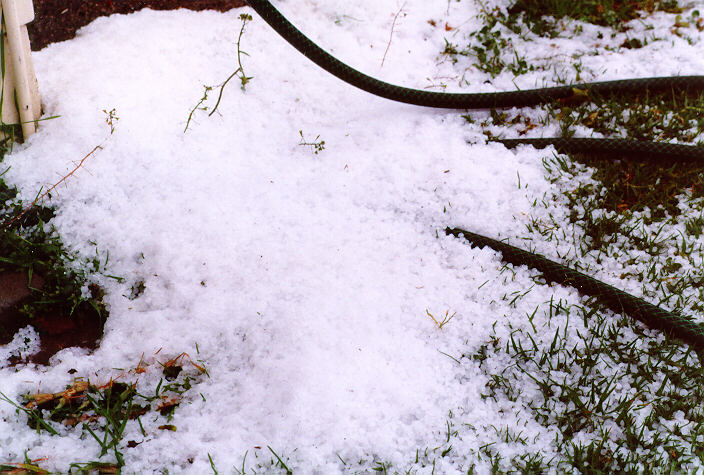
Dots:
{"x": 20, "y": 90}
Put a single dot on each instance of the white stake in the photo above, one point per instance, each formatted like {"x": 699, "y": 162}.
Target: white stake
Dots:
{"x": 20, "y": 81}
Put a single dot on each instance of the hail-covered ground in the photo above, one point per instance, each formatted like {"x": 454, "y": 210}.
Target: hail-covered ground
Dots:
{"x": 293, "y": 242}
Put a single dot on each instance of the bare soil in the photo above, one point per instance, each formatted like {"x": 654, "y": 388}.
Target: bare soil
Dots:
{"x": 58, "y": 20}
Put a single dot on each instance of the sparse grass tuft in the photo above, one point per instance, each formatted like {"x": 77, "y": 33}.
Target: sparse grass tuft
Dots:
{"x": 316, "y": 145}
{"x": 441, "y": 321}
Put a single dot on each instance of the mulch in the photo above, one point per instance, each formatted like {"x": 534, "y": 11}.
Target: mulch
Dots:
{"x": 58, "y": 20}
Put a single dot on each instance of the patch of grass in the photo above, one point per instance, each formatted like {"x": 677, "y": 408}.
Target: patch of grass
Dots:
{"x": 635, "y": 204}
{"x": 627, "y": 183}
{"x": 100, "y": 468}
{"x": 631, "y": 184}
{"x": 114, "y": 404}
{"x": 493, "y": 53}
{"x": 621, "y": 398}
{"x": 29, "y": 245}
{"x": 658, "y": 247}
{"x": 630, "y": 194}
{"x": 611, "y": 13}
{"x": 499, "y": 45}
{"x": 103, "y": 412}
{"x": 579, "y": 389}
{"x": 659, "y": 117}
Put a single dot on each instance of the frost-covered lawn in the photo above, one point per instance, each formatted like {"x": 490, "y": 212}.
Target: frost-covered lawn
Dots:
{"x": 308, "y": 289}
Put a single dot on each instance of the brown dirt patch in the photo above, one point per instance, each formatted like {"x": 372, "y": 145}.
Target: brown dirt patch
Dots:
{"x": 58, "y": 20}
{"x": 57, "y": 330}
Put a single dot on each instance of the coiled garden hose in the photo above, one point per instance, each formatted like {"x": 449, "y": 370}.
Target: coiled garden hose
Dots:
{"x": 619, "y": 301}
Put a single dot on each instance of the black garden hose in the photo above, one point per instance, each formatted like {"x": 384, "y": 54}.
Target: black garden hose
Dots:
{"x": 488, "y": 100}
{"x": 616, "y": 299}
{"x": 613, "y": 298}
{"x": 446, "y": 100}
{"x": 615, "y": 146}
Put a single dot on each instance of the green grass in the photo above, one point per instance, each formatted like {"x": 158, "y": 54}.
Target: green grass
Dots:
{"x": 564, "y": 386}
{"x": 103, "y": 413}
{"x": 492, "y": 53}
{"x": 632, "y": 396}
{"x": 29, "y": 245}
{"x": 540, "y": 15}
{"x": 627, "y": 193}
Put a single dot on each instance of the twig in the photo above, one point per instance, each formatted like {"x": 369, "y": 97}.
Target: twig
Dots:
{"x": 244, "y": 79}
{"x": 110, "y": 120}
{"x": 43, "y": 195}
{"x": 206, "y": 89}
{"x": 391, "y": 34}
{"x": 222, "y": 88}
{"x": 239, "y": 72}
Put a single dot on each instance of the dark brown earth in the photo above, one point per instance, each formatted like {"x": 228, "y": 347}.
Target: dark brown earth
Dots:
{"x": 58, "y": 20}
{"x": 57, "y": 331}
